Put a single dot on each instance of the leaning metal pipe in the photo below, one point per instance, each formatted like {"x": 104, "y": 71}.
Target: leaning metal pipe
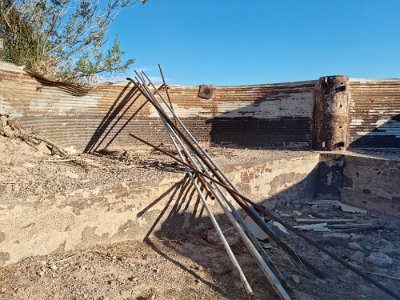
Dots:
{"x": 228, "y": 249}
{"x": 252, "y": 249}
{"x": 236, "y": 214}
{"x": 243, "y": 204}
{"x": 214, "y": 164}
{"x": 271, "y": 277}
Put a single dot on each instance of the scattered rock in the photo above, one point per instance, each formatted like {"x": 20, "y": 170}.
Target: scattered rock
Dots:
{"x": 390, "y": 236}
{"x": 314, "y": 227}
{"x": 40, "y": 273}
{"x": 71, "y": 175}
{"x": 280, "y": 227}
{"x": 357, "y": 256}
{"x": 297, "y": 213}
{"x": 296, "y": 279}
{"x": 379, "y": 259}
{"x": 337, "y": 235}
{"x": 29, "y": 165}
{"x": 42, "y": 147}
{"x": 230, "y": 233}
{"x": 355, "y": 236}
{"x": 354, "y": 246}
{"x": 285, "y": 215}
{"x": 53, "y": 267}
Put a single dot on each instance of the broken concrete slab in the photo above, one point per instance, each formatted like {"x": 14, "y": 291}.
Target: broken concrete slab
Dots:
{"x": 338, "y": 235}
{"x": 314, "y": 227}
{"x": 230, "y": 233}
{"x": 329, "y": 221}
{"x": 379, "y": 259}
{"x": 344, "y": 207}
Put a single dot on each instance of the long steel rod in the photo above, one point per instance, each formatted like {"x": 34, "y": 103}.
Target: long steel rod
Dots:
{"x": 166, "y": 89}
{"x": 228, "y": 249}
{"x": 212, "y": 162}
{"x": 243, "y": 204}
{"x": 215, "y": 165}
{"x": 267, "y": 271}
{"x": 222, "y": 195}
{"x": 269, "y": 274}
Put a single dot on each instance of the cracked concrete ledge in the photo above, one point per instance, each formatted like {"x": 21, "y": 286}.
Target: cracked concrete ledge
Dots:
{"x": 75, "y": 220}
{"x": 129, "y": 210}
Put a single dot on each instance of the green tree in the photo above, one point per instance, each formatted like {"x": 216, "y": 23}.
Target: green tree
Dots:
{"x": 63, "y": 39}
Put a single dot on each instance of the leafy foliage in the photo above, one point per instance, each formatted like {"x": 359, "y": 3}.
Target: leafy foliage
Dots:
{"x": 62, "y": 39}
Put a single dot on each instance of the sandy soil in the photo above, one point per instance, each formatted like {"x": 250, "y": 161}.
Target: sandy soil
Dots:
{"x": 180, "y": 267}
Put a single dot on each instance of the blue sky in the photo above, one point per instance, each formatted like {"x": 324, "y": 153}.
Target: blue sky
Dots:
{"x": 236, "y": 42}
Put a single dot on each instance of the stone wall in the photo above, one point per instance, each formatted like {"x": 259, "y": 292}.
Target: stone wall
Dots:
{"x": 362, "y": 181}
{"x": 372, "y": 183}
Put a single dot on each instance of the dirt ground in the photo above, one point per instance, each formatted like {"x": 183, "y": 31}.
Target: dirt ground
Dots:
{"x": 188, "y": 266}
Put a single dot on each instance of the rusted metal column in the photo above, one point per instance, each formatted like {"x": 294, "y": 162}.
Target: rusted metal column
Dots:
{"x": 331, "y": 116}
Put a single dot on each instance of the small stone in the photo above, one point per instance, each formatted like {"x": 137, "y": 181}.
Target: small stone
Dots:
{"x": 29, "y": 165}
{"x": 379, "y": 259}
{"x": 355, "y": 236}
{"x": 297, "y": 213}
{"x": 230, "y": 233}
{"x": 357, "y": 256}
{"x": 42, "y": 147}
{"x": 133, "y": 279}
{"x": 53, "y": 267}
{"x": 296, "y": 279}
{"x": 3, "y": 120}
{"x": 285, "y": 215}
{"x": 197, "y": 281}
{"x": 338, "y": 235}
{"x": 40, "y": 273}
{"x": 354, "y": 246}
{"x": 390, "y": 236}
{"x": 71, "y": 175}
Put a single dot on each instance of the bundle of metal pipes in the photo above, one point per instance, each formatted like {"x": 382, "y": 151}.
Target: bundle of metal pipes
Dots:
{"x": 211, "y": 182}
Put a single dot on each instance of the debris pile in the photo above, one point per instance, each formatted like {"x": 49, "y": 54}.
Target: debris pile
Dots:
{"x": 10, "y": 128}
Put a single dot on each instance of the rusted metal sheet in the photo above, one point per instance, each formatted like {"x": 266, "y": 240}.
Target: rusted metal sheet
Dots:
{"x": 107, "y": 111}
{"x": 375, "y": 113}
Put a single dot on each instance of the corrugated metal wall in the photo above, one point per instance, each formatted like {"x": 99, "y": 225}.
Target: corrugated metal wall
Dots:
{"x": 375, "y": 113}
{"x": 259, "y": 115}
